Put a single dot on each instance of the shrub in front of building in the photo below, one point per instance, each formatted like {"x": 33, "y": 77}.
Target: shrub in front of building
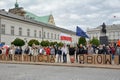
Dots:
{"x": 95, "y": 41}
{"x": 33, "y": 41}
{"x": 53, "y": 43}
{"x": 82, "y": 41}
{"x": 45, "y": 43}
{"x": 18, "y": 42}
{"x": 60, "y": 44}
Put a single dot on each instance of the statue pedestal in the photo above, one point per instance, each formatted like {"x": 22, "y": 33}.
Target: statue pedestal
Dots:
{"x": 104, "y": 40}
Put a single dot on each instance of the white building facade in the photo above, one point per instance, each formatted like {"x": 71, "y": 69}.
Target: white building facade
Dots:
{"x": 113, "y": 32}
{"x": 14, "y": 26}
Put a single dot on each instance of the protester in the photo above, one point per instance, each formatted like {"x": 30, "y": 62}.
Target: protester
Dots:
{"x": 77, "y": 52}
{"x": 81, "y": 49}
{"x": 17, "y": 50}
{"x": 41, "y": 50}
{"x": 59, "y": 53}
{"x": 104, "y": 49}
{"x": 47, "y": 50}
{"x": 112, "y": 49}
{"x": 90, "y": 49}
{"x": 52, "y": 50}
{"x": 72, "y": 53}
{"x": 64, "y": 53}
{"x": 11, "y": 53}
{"x": 108, "y": 50}
{"x": 100, "y": 49}
{"x": 27, "y": 50}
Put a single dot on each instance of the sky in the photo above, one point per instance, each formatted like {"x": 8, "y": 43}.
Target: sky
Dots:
{"x": 71, "y": 13}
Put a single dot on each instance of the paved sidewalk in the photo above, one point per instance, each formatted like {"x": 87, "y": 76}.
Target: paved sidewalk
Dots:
{"x": 65, "y": 64}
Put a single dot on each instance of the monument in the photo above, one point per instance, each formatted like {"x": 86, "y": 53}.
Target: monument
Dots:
{"x": 103, "y": 38}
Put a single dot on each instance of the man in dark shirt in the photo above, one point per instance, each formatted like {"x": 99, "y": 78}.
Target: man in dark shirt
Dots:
{"x": 72, "y": 53}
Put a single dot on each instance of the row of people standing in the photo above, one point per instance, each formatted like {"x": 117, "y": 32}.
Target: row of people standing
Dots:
{"x": 63, "y": 51}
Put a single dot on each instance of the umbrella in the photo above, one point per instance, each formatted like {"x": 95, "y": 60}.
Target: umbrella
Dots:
{"x": 5, "y": 46}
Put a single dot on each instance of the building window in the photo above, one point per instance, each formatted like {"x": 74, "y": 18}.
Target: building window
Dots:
{"x": 28, "y": 32}
{"x": 20, "y": 31}
{"x": 48, "y": 35}
{"x": 51, "y": 35}
{"x": 12, "y": 30}
{"x": 58, "y": 36}
{"x": 3, "y": 29}
{"x": 55, "y": 36}
{"x": 119, "y": 34}
{"x": 44, "y": 35}
{"x": 39, "y": 34}
{"x": 35, "y": 33}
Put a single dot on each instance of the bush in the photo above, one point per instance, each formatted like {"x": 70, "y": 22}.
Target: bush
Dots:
{"x": 95, "y": 41}
{"x": 33, "y": 41}
{"x": 18, "y": 42}
{"x": 45, "y": 43}
{"x": 53, "y": 43}
{"x": 60, "y": 44}
{"x": 82, "y": 41}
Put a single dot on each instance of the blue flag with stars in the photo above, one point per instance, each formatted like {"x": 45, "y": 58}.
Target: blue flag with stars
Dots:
{"x": 80, "y": 32}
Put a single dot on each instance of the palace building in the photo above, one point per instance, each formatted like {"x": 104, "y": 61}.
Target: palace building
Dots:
{"x": 113, "y": 32}
{"x": 18, "y": 23}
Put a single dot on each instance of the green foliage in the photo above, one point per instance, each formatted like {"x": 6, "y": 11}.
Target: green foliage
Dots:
{"x": 53, "y": 43}
{"x": 45, "y": 43}
{"x": 60, "y": 44}
{"x": 82, "y": 41}
{"x": 33, "y": 41}
{"x": 18, "y": 42}
{"x": 95, "y": 41}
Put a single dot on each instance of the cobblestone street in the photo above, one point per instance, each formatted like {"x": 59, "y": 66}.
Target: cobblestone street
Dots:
{"x": 40, "y": 72}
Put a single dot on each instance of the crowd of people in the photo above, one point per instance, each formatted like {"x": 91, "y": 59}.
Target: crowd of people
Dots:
{"x": 62, "y": 52}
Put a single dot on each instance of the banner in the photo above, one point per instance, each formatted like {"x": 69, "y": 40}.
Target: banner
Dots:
{"x": 83, "y": 58}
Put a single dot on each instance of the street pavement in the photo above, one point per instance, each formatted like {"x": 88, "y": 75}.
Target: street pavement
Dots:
{"x": 45, "y": 72}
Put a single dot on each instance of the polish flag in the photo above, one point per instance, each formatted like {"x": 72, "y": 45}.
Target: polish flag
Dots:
{"x": 66, "y": 37}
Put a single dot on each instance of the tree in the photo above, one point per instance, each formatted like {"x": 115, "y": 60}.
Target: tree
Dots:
{"x": 53, "y": 43}
{"x": 95, "y": 41}
{"x": 45, "y": 43}
{"x": 33, "y": 41}
{"x": 60, "y": 44}
{"x": 82, "y": 41}
{"x": 18, "y": 42}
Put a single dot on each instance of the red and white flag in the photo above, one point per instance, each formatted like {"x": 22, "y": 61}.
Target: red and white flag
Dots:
{"x": 66, "y": 37}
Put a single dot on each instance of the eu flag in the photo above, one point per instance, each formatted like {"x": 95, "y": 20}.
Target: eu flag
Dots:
{"x": 80, "y": 32}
